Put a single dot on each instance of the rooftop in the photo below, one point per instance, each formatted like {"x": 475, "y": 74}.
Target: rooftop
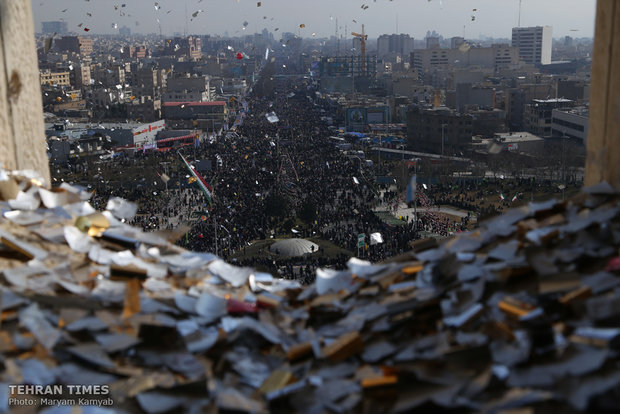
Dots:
{"x": 582, "y": 111}
{"x": 555, "y": 100}
{"x": 210, "y": 103}
{"x": 517, "y": 137}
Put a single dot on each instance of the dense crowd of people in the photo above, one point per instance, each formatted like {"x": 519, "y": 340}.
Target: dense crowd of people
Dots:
{"x": 473, "y": 195}
{"x": 291, "y": 162}
{"x": 281, "y": 179}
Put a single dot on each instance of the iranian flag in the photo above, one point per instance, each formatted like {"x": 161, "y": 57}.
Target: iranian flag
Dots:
{"x": 204, "y": 186}
{"x": 515, "y": 197}
{"x": 501, "y": 196}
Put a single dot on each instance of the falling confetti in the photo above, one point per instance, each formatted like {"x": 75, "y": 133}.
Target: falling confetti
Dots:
{"x": 302, "y": 25}
{"x": 258, "y": 4}
{"x": 194, "y": 14}
{"x": 464, "y": 47}
{"x": 86, "y": 29}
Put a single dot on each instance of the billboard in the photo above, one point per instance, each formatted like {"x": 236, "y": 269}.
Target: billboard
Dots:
{"x": 376, "y": 115}
{"x": 145, "y": 133}
{"x": 365, "y": 116}
{"x": 356, "y": 116}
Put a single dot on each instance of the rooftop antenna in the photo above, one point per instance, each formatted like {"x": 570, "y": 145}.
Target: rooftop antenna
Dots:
{"x": 396, "y": 23}
{"x": 519, "y": 24}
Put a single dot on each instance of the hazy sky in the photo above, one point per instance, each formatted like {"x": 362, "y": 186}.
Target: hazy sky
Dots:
{"x": 448, "y": 17}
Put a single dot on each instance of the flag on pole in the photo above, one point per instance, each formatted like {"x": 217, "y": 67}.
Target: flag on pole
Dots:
{"x": 515, "y": 197}
{"x": 412, "y": 189}
{"x": 501, "y": 196}
{"x": 204, "y": 186}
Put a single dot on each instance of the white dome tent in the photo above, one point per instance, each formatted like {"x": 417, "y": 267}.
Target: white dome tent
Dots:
{"x": 293, "y": 247}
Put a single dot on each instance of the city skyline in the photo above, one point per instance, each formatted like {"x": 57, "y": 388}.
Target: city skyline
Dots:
{"x": 468, "y": 18}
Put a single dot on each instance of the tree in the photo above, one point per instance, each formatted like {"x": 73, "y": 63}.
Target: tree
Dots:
{"x": 308, "y": 211}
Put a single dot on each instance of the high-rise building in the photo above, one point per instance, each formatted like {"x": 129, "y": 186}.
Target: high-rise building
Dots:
{"x": 534, "y": 44}
{"x": 397, "y": 44}
{"x": 110, "y": 76}
{"x": 61, "y": 78}
{"x": 128, "y": 52}
{"x": 438, "y": 130}
{"x": 571, "y": 123}
{"x": 538, "y": 115}
{"x": 456, "y": 42}
{"x": 60, "y": 28}
{"x": 432, "y": 42}
{"x": 188, "y": 89}
{"x": 76, "y": 44}
{"x": 82, "y": 75}
{"x": 190, "y": 47}
{"x": 498, "y": 56}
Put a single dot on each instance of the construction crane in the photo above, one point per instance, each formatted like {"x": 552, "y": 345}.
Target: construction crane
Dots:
{"x": 363, "y": 37}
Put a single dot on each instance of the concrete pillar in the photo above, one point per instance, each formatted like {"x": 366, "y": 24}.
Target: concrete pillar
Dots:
{"x": 603, "y": 145}
{"x": 22, "y": 134}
